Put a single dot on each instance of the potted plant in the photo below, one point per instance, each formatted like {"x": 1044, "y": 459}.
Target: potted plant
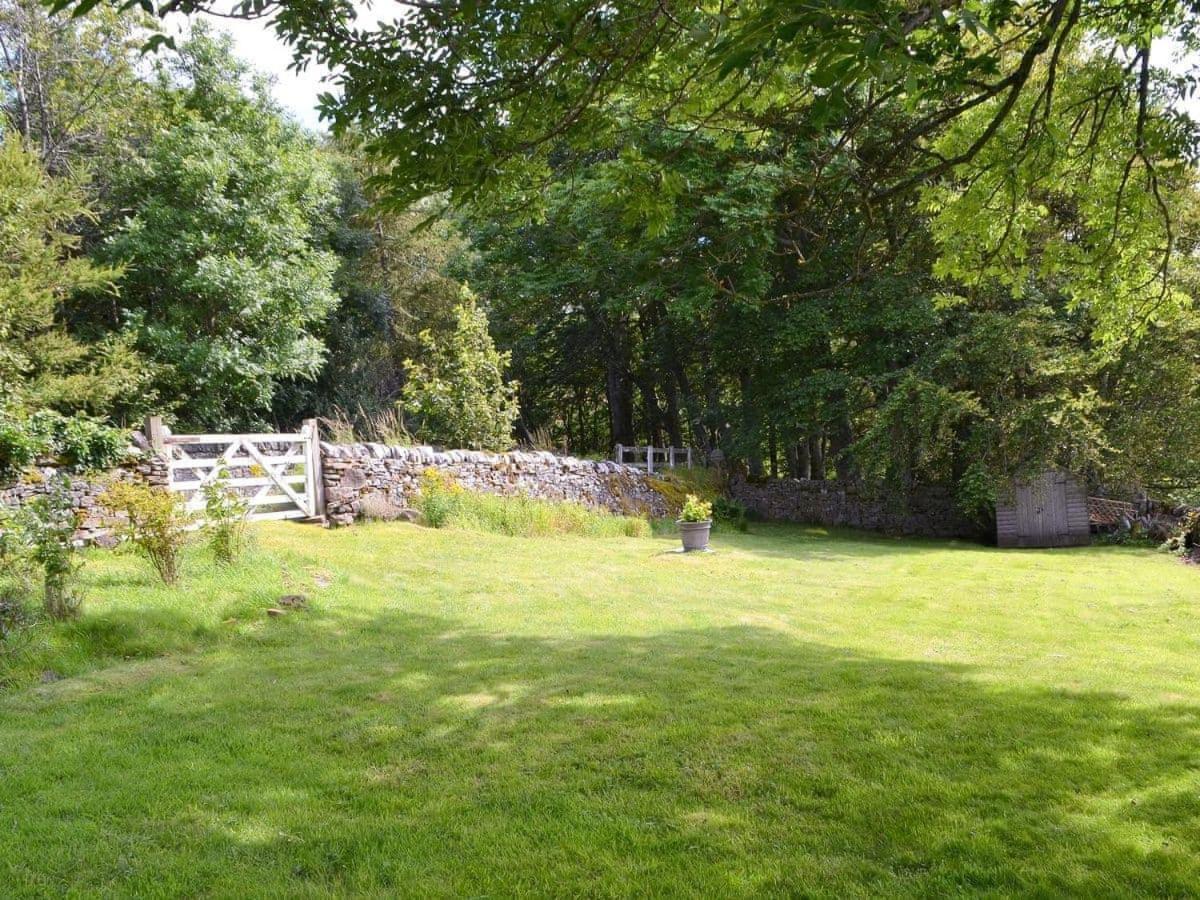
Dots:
{"x": 695, "y": 523}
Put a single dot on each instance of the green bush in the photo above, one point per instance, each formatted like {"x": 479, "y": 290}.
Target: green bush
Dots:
{"x": 156, "y": 523}
{"x": 17, "y": 618}
{"x": 438, "y": 500}
{"x": 18, "y": 446}
{"x": 84, "y": 444}
{"x": 729, "y": 513}
{"x": 13, "y": 540}
{"x": 224, "y": 518}
{"x": 443, "y": 503}
{"x": 81, "y": 443}
{"x": 49, "y": 522}
{"x": 456, "y": 391}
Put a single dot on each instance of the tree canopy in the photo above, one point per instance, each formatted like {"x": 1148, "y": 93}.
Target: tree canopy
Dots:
{"x": 991, "y": 100}
{"x": 219, "y": 234}
{"x": 41, "y": 364}
{"x": 894, "y": 243}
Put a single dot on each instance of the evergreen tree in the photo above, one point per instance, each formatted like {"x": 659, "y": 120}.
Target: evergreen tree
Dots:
{"x": 457, "y": 393}
{"x": 41, "y": 364}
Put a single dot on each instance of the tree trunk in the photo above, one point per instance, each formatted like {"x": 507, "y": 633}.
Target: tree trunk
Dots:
{"x": 654, "y": 416}
{"x": 700, "y": 437}
{"x": 843, "y": 461}
{"x": 773, "y": 444}
{"x": 673, "y": 425}
{"x": 816, "y": 453}
{"x": 754, "y": 460}
{"x": 803, "y": 460}
{"x": 618, "y": 389}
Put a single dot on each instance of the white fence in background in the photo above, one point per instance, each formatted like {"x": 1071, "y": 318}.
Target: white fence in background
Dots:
{"x": 277, "y": 475}
{"x": 652, "y": 456}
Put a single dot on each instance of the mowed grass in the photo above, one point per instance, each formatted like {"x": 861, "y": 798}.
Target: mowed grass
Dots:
{"x": 469, "y": 714}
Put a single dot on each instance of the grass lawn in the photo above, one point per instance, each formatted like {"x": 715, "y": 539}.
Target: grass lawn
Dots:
{"x": 472, "y": 714}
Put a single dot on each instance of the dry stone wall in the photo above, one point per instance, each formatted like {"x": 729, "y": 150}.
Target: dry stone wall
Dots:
{"x": 95, "y": 522}
{"x": 928, "y": 512}
{"x": 355, "y": 472}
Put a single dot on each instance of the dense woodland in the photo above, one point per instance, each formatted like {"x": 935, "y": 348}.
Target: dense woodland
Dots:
{"x": 828, "y": 282}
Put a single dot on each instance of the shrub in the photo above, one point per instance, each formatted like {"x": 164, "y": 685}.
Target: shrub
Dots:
{"x": 1186, "y": 536}
{"x": 457, "y": 391}
{"x": 157, "y": 523}
{"x": 83, "y": 444}
{"x": 18, "y": 446}
{"x": 50, "y": 522}
{"x": 438, "y": 498}
{"x": 18, "y": 623}
{"x": 13, "y": 541}
{"x": 16, "y": 584}
{"x": 729, "y": 512}
{"x": 443, "y": 503}
{"x": 224, "y": 518}
{"x": 695, "y": 510}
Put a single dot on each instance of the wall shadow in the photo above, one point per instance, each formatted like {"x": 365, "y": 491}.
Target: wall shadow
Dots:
{"x": 815, "y": 542}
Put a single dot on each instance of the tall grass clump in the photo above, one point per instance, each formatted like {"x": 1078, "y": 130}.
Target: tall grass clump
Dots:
{"x": 444, "y": 503}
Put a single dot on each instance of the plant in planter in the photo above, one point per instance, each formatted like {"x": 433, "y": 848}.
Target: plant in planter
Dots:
{"x": 695, "y": 523}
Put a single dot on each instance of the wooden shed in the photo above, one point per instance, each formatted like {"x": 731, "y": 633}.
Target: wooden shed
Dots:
{"x": 1048, "y": 511}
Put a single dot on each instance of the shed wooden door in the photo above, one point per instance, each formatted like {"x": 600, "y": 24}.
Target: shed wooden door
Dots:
{"x": 1050, "y": 510}
{"x": 1042, "y": 511}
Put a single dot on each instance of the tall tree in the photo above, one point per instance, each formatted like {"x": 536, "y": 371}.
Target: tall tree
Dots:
{"x": 41, "y": 364}
{"x": 395, "y": 280}
{"x": 457, "y": 393}
{"x": 222, "y": 236}
{"x": 71, "y": 88}
{"x": 477, "y": 98}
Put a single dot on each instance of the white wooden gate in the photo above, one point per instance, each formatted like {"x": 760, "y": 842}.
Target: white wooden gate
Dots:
{"x": 277, "y": 475}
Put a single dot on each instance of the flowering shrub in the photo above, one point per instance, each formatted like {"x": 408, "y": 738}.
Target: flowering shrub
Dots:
{"x": 49, "y": 523}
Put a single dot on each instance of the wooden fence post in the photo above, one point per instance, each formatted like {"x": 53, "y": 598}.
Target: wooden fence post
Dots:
{"x": 619, "y": 454}
{"x": 689, "y": 449}
{"x": 155, "y": 434}
{"x": 313, "y": 430}
{"x": 650, "y": 460}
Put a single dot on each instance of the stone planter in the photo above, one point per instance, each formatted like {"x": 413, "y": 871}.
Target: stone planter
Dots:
{"x": 694, "y": 534}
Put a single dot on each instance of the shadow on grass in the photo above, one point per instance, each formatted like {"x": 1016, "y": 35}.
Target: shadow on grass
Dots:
{"x": 405, "y": 754}
{"x": 811, "y": 542}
